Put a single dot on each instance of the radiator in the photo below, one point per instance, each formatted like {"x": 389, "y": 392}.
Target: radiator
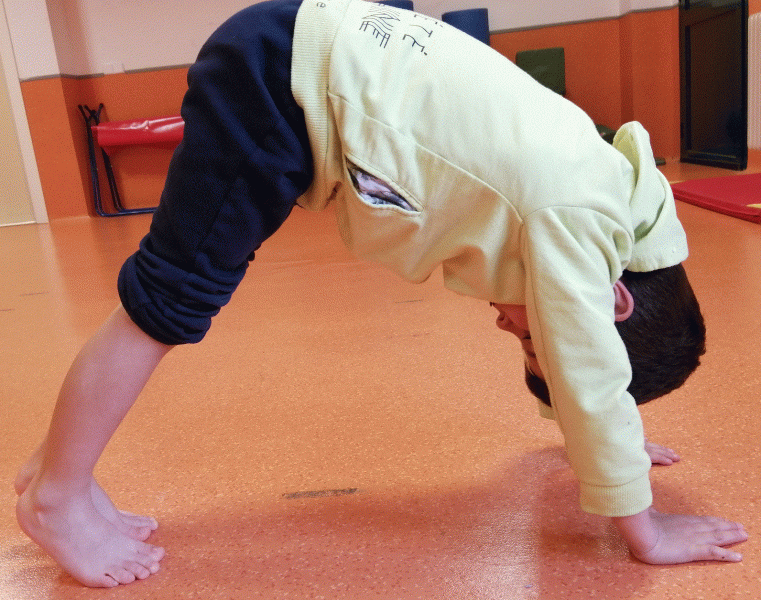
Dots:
{"x": 754, "y": 82}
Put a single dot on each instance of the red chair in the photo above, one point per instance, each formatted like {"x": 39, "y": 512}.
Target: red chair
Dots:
{"x": 107, "y": 136}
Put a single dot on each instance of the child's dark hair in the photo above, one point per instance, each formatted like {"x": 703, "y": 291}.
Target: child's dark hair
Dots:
{"x": 664, "y": 336}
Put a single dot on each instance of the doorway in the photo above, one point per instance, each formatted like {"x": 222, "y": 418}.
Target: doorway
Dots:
{"x": 15, "y": 202}
{"x": 713, "y": 41}
{"x": 21, "y": 199}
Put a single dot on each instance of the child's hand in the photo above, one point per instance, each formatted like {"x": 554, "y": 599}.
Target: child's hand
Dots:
{"x": 664, "y": 539}
{"x": 660, "y": 455}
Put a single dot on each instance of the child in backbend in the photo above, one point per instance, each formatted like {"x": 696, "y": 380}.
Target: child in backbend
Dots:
{"x": 435, "y": 151}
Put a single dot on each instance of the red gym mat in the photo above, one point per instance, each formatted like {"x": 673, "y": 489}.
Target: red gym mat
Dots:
{"x": 736, "y": 195}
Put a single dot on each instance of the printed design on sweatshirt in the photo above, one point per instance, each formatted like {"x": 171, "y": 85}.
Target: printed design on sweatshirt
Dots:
{"x": 379, "y": 22}
{"x": 384, "y": 22}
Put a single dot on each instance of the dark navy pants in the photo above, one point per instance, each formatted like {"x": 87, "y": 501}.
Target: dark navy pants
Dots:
{"x": 233, "y": 180}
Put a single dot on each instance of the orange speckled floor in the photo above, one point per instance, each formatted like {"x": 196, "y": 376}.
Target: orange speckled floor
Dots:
{"x": 342, "y": 434}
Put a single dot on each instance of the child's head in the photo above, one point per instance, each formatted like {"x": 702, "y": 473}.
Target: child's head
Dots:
{"x": 664, "y": 336}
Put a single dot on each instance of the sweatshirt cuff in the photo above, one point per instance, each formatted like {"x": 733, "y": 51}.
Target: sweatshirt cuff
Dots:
{"x": 617, "y": 501}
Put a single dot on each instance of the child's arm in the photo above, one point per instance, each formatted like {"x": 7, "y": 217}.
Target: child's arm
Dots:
{"x": 663, "y": 539}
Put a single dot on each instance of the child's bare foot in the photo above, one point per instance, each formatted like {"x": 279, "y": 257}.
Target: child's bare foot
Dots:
{"x": 83, "y": 542}
{"x": 135, "y": 526}
{"x": 660, "y": 455}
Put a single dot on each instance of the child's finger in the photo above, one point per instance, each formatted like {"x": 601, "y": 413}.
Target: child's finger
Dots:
{"x": 660, "y": 455}
{"x": 725, "y": 533}
{"x": 722, "y": 554}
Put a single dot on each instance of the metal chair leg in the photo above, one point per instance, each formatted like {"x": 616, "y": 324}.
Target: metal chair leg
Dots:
{"x": 92, "y": 117}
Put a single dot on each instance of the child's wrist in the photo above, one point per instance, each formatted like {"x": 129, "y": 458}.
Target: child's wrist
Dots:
{"x": 638, "y": 531}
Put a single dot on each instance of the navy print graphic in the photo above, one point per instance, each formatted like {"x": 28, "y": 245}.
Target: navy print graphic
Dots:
{"x": 380, "y": 21}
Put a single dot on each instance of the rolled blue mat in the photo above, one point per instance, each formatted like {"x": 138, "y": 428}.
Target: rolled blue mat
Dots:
{"x": 474, "y": 21}
{"x": 405, "y": 4}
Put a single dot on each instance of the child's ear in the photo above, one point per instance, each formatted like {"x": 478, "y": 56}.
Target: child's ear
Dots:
{"x": 624, "y": 303}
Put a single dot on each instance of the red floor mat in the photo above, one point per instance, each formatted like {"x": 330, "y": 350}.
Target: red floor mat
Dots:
{"x": 735, "y": 195}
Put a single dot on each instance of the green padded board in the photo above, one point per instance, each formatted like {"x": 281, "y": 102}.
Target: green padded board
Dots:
{"x": 546, "y": 65}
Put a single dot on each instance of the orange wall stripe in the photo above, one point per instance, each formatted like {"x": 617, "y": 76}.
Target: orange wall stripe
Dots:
{"x": 650, "y": 76}
{"x": 54, "y": 147}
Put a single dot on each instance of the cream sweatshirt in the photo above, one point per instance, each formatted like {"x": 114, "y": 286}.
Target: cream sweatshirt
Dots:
{"x": 510, "y": 189}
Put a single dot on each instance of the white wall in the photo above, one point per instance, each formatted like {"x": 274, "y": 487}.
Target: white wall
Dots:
{"x": 81, "y": 37}
{"x": 31, "y": 37}
{"x": 627, "y": 6}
